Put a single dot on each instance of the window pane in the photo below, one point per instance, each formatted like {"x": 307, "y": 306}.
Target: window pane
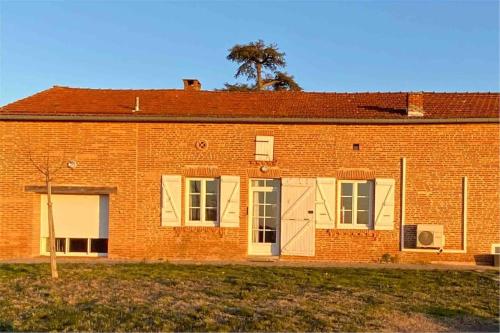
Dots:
{"x": 258, "y": 182}
{"x": 255, "y": 223}
{"x": 270, "y": 211}
{"x": 194, "y": 214}
{"x": 362, "y": 217}
{"x": 346, "y": 203}
{"x": 262, "y": 210}
{"x": 194, "y": 200}
{"x": 78, "y": 245}
{"x": 363, "y": 203}
{"x": 211, "y": 186}
{"x": 195, "y": 186}
{"x": 346, "y": 189}
{"x": 262, "y": 222}
{"x": 211, "y": 214}
{"x": 211, "y": 200}
{"x": 60, "y": 244}
{"x": 258, "y": 236}
{"x": 271, "y": 197}
{"x": 346, "y": 217}
{"x": 99, "y": 245}
{"x": 364, "y": 189}
{"x": 270, "y": 237}
{"x": 271, "y": 224}
{"x": 273, "y": 183}
{"x": 256, "y": 210}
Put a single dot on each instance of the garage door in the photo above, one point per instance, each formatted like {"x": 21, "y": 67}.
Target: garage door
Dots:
{"x": 80, "y": 224}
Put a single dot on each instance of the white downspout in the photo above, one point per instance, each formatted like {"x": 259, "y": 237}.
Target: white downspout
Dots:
{"x": 403, "y": 202}
{"x": 465, "y": 198}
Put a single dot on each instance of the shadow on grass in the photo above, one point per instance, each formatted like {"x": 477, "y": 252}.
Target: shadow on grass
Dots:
{"x": 6, "y": 326}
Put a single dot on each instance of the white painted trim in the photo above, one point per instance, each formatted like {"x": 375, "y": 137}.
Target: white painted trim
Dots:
{"x": 263, "y": 249}
{"x": 66, "y": 253}
{"x": 422, "y": 250}
{"x": 433, "y": 251}
{"x": 465, "y": 199}
{"x": 202, "y": 222}
{"x": 355, "y": 226}
{"x": 403, "y": 203}
{"x": 494, "y": 245}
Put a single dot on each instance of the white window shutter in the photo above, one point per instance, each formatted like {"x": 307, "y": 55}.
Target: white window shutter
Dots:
{"x": 264, "y": 148}
{"x": 384, "y": 204}
{"x": 171, "y": 200}
{"x": 325, "y": 203}
{"x": 229, "y": 201}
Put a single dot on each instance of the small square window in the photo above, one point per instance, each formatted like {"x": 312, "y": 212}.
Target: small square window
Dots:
{"x": 355, "y": 146}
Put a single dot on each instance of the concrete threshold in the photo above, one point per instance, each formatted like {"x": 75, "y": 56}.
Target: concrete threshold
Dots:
{"x": 263, "y": 258}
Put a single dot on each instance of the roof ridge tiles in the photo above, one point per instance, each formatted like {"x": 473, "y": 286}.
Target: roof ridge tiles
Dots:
{"x": 279, "y": 92}
{"x": 59, "y": 100}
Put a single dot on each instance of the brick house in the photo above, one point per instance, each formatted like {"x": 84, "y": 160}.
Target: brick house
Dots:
{"x": 192, "y": 174}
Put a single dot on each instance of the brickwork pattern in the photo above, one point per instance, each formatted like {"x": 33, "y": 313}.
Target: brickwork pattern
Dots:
{"x": 133, "y": 156}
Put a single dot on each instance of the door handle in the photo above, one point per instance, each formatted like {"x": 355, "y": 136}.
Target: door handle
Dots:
{"x": 310, "y": 211}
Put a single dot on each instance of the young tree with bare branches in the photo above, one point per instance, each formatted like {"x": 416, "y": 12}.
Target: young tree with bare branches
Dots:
{"x": 49, "y": 169}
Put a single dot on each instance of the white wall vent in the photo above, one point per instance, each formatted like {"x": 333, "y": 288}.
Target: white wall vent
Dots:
{"x": 430, "y": 236}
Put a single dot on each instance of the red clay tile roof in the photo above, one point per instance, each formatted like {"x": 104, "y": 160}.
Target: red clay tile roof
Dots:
{"x": 80, "y": 101}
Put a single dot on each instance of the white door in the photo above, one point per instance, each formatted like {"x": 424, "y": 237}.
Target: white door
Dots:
{"x": 264, "y": 217}
{"x": 297, "y": 216}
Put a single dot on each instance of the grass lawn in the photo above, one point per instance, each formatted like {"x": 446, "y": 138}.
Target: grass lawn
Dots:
{"x": 167, "y": 297}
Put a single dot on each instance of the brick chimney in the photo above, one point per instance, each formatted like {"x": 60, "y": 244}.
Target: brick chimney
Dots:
{"x": 415, "y": 104}
{"x": 191, "y": 84}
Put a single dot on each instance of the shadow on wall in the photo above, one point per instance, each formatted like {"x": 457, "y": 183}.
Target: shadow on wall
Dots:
{"x": 484, "y": 259}
{"x": 402, "y": 112}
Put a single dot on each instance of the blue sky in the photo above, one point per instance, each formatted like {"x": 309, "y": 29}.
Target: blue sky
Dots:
{"x": 330, "y": 45}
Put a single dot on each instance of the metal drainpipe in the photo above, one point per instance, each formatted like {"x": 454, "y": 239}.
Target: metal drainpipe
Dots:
{"x": 403, "y": 202}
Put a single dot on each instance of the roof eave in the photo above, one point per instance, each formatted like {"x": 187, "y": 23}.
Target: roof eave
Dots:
{"x": 266, "y": 120}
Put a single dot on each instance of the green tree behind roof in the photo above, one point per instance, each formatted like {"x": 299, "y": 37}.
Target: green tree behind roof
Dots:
{"x": 260, "y": 62}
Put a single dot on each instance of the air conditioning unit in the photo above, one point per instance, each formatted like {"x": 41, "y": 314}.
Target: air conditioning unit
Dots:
{"x": 430, "y": 236}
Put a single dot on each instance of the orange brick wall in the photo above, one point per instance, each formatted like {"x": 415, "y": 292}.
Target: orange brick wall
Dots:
{"x": 133, "y": 156}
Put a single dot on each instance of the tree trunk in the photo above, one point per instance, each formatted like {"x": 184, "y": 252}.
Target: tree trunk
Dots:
{"x": 258, "y": 67}
{"x": 52, "y": 238}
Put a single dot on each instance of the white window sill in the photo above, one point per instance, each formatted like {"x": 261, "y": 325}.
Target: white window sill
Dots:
{"x": 355, "y": 226}
{"x": 76, "y": 254}
{"x": 202, "y": 224}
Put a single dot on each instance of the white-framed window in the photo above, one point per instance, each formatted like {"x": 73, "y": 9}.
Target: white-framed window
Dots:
{"x": 355, "y": 204}
{"x": 264, "y": 148}
{"x": 77, "y": 246}
{"x": 202, "y": 197}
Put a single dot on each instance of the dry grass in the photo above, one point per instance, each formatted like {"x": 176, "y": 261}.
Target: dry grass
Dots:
{"x": 166, "y": 297}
